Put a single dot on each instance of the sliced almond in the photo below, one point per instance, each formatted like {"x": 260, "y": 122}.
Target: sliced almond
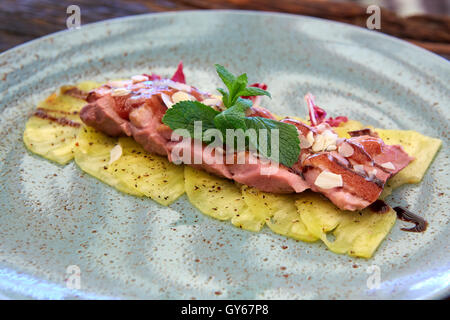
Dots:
{"x": 167, "y": 101}
{"x": 139, "y": 78}
{"x": 328, "y": 180}
{"x": 182, "y": 96}
{"x": 310, "y": 137}
{"x": 372, "y": 173}
{"x": 388, "y": 165}
{"x": 115, "y": 153}
{"x": 117, "y": 92}
{"x": 346, "y": 150}
{"x": 319, "y": 143}
{"x": 306, "y": 142}
{"x": 325, "y": 140}
{"x": 212, "y": 102}
{"x": 119, "y": 83}
{"x": 179, "y": 86}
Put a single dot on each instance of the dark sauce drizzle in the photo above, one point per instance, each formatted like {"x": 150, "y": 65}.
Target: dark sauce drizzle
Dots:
{"x": 406, "y": 215}
{"x": 62, "y": 121}
{"x": 379, "y": 206}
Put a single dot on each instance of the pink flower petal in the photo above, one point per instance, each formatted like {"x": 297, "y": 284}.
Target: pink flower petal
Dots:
{"x": 178, "y": 76}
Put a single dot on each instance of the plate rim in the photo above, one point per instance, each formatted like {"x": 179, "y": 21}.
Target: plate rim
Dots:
{"x": 436, "y": 58}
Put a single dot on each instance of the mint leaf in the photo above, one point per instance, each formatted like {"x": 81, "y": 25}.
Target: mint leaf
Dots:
{"x": 234, "y": 117}
{"x": 238, "y": 85}
{"x": 253, "y": 91}
{"x": 288, "y": 143}
{"x": 183, "y": 115}
{"x": 227, "y": 77}
{"x": 224, "y": 97}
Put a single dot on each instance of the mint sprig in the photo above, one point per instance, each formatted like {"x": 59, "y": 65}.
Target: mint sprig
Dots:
{"x": 184, "y": 114}
{"x": 237, "y": 87}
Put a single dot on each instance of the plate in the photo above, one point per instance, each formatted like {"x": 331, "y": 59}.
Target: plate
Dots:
{"x": 64, "y": 234}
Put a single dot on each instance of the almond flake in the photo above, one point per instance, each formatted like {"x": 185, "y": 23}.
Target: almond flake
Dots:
{"x": 212, "y": 101}
{"x": 120, "y": 92}
{"x": 139, "y": 78}
{"x": 115, "y": 153}
{"x": 324, "y": 141}
{"x": 388, "y": 165}
{"x": 346, "y": 150}
{"x": 328, "y": 180}
{"x": 167, "y": 101}
{"x": 179, "y": 86}
{"x": 182, "y": 96}
{"x": 306, "y": 142}
{"x": 119, "y": 83}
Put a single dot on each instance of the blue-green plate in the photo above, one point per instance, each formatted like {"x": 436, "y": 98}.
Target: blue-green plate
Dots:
{"x": 53, "y": 217}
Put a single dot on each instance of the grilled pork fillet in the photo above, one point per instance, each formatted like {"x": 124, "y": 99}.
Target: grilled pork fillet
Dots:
{"x": 350, "y": 172}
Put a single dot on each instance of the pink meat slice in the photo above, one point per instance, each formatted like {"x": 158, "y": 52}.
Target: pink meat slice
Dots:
{"x": 363, "y": 174}
{"x": 267, "y": 176}
{"x": 139, "y": 114}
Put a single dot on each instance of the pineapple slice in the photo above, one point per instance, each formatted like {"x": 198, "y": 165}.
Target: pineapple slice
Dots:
{"x": 216, "y": 197}
{"x": 421, "y": 147}
{"x": 357, "y": 233}
{"x": 278, "y": 211}
{"x": 92, "y": 155}
{"x": 50, "y": 139}
{"x": 135, "y": 172}
{"x": 150, "y": 174}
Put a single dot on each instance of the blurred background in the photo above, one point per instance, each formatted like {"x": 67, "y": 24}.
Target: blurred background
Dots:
{"x": 425, "y": 23}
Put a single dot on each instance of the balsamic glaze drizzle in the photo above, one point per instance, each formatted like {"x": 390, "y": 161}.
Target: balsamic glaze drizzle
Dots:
{"x": 379, "y": 206}
{"x": 406, "y": 215}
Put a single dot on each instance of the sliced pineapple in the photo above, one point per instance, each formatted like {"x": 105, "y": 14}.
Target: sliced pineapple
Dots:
{"x": 217, "y": 197}
{"x": 149, "y": 174}
{"x": 277, "y": 210}
{"x": 135, "y": 172}
{"x": 49, "y": 138}
{"x": 92, "y": 155}
{"x": 357, "y": 233}
{"x": 421, "y": 147}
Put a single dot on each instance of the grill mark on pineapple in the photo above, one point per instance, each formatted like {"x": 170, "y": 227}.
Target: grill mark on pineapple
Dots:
{"x": 62, "y": 120}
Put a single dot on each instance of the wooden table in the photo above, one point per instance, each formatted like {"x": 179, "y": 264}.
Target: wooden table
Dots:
{"x": 24, "y": 20}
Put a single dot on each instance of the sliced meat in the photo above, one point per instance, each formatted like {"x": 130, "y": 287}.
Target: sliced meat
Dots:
{"x": 101, "y": 115}
{"x": 356, "y": 168}
{"x": 197, "y": 155}
{"x": 358, "y": 187}
{"x": 389, "y": 158}
{"x": 267, "y": 176}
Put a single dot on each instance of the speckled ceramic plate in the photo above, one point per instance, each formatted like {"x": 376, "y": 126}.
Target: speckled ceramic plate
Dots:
{"x": 53, "y": 217}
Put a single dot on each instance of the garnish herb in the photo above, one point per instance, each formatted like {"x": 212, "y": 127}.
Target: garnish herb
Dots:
{"x": 183, "y": 114}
